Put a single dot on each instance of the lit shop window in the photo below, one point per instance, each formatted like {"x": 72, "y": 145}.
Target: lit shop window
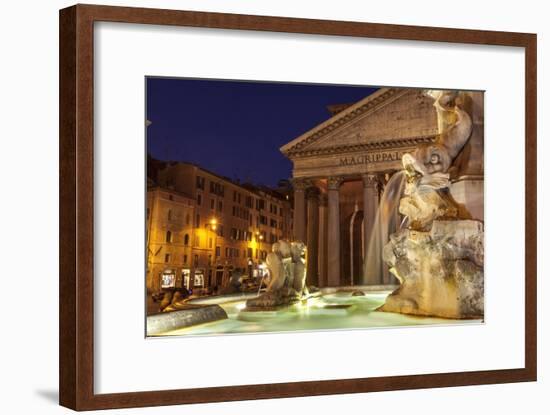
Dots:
{"x": 168, "y": 279}
{"x": 199, "y": 278}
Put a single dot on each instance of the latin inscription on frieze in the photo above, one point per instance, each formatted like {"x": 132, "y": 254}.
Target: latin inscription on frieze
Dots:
{"x": 380, "y": 157}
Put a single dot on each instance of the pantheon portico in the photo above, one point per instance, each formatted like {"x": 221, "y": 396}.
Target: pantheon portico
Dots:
{"x": 340, "y": 168}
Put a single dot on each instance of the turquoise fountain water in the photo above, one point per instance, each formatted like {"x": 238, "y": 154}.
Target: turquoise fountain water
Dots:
{"x": 330, "y": 311}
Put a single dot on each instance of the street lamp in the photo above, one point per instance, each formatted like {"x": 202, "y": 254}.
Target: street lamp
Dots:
{"x": 213, "y": 227}
{"x": 213, "y": 224}
{"x": 259, "y": 238}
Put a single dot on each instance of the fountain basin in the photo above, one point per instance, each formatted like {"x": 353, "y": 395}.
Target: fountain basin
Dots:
{"x": 333, "y": 309}
{"x": 188, "y": 316}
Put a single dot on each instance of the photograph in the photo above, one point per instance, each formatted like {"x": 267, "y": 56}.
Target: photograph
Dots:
{"x": 264, "y": 207}
{"x": 279, "y": 206}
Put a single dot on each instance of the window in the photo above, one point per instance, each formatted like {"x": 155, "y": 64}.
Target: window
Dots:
{"x": 273, "y": 223}
{"x": 210, "y": 243}
{"x": 200, "y": 182}
{"x": 260, "y": 204}
{"x": 196, "y": 260}
{"x": 166, "y": 258}
{"x": 170, "y": 197}
{"x": 209, "y": 259}
{"x": 199, "y": 199}
{"x": 212, "y": 203}
{"x": 185, "y": 259}
{"x": 198, "y": 221}
{"x": 226, "y": 252}
{"x": 218, "y": 251}
{"x": 220, "y": 205}
{"x": 249, "y": 252}
{"x": 217, "y": 189}
{"x": 169, "y": 214}
{"x": 199, "y": 278}
{"x": 168, "y": 236}
{"x": 168, "y": 279}
{"x": 186, "y": 239}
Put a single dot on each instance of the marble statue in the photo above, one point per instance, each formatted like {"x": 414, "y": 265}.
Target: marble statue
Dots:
{"x": 286, "y": 266}
{"x": 438, "y": 258}
{"x": 298, "y": 268}
{"x": 455, "y": 128}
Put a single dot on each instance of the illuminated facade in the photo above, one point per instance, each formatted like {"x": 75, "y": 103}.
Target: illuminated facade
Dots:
{"x": 217, "y": 228}
{"x": 169, "y": 238}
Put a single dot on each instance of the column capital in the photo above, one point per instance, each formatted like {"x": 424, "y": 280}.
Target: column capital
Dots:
{"x": 333, "y": 183}
{"x": 370, "y": 180}
{"x": 300, "y": 184}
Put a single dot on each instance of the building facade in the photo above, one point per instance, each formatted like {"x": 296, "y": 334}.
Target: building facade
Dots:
{"x": 342, "y": 166}
{"x": 222, "y": 228}
{"x": 169, "y": 230}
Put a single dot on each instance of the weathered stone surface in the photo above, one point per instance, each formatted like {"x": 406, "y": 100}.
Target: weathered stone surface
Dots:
{"x": 441, "y": 271}
{"x": 270, "y": 300}
{"x": 286, "y": 266}
{"x": 422, "y": 207}
{"x": 185, "y": 317}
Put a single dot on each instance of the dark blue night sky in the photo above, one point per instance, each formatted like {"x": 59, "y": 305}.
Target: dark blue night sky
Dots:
{"x": 233, "y": 128}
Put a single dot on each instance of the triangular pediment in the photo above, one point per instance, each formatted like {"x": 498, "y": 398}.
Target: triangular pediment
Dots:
{"x": 389, "y": 115}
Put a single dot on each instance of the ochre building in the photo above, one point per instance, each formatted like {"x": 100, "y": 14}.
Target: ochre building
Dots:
{"x": 203, "y": 228}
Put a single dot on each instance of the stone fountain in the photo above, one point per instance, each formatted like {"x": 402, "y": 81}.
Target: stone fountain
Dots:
{"x": 286, "y": 267}
{"x": 438, "y": 257}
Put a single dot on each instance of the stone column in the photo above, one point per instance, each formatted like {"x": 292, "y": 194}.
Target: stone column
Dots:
{"x": 323, "y": 238}
{"x": 372, "y": 255}
{"x": 333, "y": 231}
{"x": 299, "y": 220}
{"x": 312, "y": 195}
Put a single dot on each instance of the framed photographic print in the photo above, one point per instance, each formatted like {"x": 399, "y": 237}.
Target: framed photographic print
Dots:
{"x": 237, "y": 191}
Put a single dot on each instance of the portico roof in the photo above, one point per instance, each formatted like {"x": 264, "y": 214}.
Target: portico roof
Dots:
{"x": 388, "y": 118}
